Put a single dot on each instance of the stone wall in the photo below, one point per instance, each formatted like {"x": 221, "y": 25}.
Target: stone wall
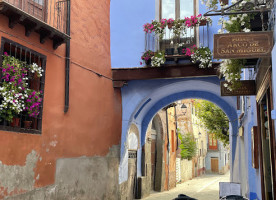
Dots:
{"x": 186, "y": 167}
{"x": 81, "y": 178}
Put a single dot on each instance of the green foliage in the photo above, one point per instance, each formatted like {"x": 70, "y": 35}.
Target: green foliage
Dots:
{"x": 214, "y": 119}
{"x": 231, "y": 69}
{"x": 187, "y": 146}
{"x": 238, "y": 23}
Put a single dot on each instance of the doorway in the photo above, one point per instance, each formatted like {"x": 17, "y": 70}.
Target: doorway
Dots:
{"x": 265, "y": 135}
{"x": 214, "y": 165}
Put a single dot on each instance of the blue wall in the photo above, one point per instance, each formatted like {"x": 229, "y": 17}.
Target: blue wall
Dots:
{"x": 141, "y": 100}
{"x": 127, "y": 36}
{"x": 126, "y": 26}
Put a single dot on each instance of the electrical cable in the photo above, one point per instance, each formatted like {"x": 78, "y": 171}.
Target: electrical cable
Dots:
{"x": 63, "y": 57}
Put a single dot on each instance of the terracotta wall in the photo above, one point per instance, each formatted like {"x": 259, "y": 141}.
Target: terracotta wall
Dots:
{"x": 93, "y": 122}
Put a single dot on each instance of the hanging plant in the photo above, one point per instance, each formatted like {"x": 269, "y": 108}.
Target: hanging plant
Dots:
{"x": 236, "y": 23}
{"x": 170, "y": 23}
{"x": 203, "y": 55}
{"x": 158, "y": 59}
{"x": 231, "y": 70}
{"x": 178, "y": 27}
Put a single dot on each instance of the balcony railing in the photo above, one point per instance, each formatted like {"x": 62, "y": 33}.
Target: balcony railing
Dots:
{"x": 52, "y": 12}
{"x": 49, "y": 18}
{"x": 174, "y": 46}
{"x": 169, "y": 44}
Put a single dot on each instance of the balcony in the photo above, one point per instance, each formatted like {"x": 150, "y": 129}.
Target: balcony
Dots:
{"x": 174, "y": 40}
{"x": 48, "y": 18}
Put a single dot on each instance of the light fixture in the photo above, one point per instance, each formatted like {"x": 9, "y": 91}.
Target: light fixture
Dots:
{"x": 184, "y": 108}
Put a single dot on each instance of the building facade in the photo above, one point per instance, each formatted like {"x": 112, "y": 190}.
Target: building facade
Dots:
{"x": 70, "y": 149}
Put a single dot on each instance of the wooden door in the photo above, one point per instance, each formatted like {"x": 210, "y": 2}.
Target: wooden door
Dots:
{"x": 214, "y": 165}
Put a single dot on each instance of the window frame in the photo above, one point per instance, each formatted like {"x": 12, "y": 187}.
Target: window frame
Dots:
{"x": 212, "y": 137}
{"x": 177, "y": 9}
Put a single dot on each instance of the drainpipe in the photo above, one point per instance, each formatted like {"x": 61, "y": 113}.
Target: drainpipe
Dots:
{"x": 67, "y": 59}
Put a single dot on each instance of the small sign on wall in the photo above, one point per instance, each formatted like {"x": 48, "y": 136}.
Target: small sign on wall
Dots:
{"x": 243, "y": 45}
{"x": 241, "y": 131}
{"x": 247, "y": 88}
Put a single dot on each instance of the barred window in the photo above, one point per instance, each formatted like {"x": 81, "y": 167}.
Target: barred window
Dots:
{"x": 22, "y": 88}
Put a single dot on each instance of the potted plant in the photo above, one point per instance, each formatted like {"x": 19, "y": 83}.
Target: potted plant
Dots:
{"x": 190, "y": 50}
{"x": 158, "y": 59}
{"x": 170, "y": 23}
{"x": 159, "y": 27}
{"x": 178, "y": 27}
{"x": 181, "y": 48}
{"x": 231, "y": 70}
{"x": 203, "y": 56}
{"x": 147, "y": 55}
{"x": 14, "y": 92}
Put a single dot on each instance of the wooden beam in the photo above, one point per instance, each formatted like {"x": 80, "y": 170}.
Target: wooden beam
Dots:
{"x": 119, "y": 84}
{"x": 169, "y": 71}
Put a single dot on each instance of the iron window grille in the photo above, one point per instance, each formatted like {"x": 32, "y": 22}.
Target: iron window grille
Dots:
{"x": 27, "y": 123}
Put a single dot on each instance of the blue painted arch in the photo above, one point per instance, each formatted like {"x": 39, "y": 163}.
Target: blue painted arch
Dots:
{"x": 142, "y": 99}
{"x": 229, "y": 111}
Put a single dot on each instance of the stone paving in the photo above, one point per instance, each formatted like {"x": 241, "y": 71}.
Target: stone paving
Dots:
{"x": 205, "y": 187}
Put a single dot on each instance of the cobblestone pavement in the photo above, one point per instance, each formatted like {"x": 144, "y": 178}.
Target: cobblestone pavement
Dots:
{"x": 205, "y": 187}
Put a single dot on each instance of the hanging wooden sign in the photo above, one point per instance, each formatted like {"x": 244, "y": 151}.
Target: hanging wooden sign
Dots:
{"x": 243, "y": 45}
{"x": 247, "y": 88}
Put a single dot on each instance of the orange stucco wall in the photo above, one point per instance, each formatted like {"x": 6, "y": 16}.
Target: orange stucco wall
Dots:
{"x": 93, "y": 122}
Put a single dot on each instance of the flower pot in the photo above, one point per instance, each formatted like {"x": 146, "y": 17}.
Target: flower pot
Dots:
{"x": 148, "y": 62}
{"x": 28, "y": 124}
{"x": 203, "y": 23}
{"x": 180, "y": 50}
{"x": 170, "y": 25}
{"x": 35, "y": 83}
{"x": 15, "y": 122}
{"x": 224, "y": 2}
{"x": 169, "y": 51}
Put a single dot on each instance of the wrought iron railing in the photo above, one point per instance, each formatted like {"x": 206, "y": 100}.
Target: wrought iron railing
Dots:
{"x": 52, "y": 12}
{"x": 170, "y": 43}
{"x": 175, "y": 45}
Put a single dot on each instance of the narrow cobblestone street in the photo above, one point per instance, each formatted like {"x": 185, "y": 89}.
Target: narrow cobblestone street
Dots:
{"x": 205, "y": 187}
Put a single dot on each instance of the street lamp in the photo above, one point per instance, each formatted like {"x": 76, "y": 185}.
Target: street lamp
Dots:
{"x": 184, "y": 108}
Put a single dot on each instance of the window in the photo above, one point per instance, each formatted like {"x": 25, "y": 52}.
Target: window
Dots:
{"x": 212, "y": 142}
{"x": 177, "y": 9}
{"x": 40, "y": 2}
{"x": 22, "y": 88}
